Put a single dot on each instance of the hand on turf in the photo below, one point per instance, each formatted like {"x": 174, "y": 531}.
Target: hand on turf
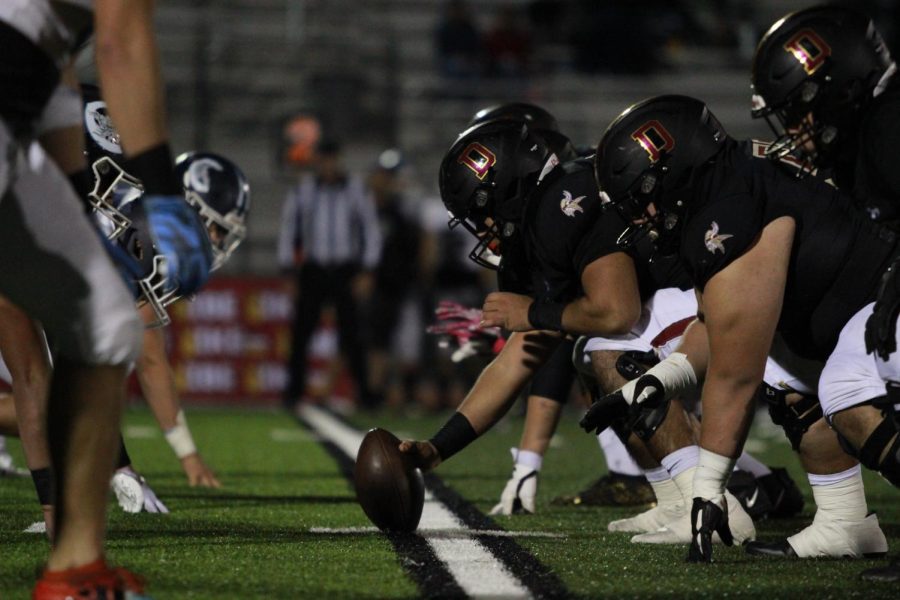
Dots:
{"x": 708, "y": 517}
{"x": 518, "y": 495}
{"x": 506, "y": 310}
{"x": 603, "y": 412}
{"x": 198, "y": 474}
{"x": 423, "y": 454}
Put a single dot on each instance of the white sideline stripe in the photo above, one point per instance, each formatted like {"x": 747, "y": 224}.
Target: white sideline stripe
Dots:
{"x": 443, "y": 533}
{"x": 475, "y": 569}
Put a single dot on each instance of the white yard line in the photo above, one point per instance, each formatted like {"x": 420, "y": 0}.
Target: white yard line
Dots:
{"x": 442, "y": 533}
{"x": 473, "y": 566}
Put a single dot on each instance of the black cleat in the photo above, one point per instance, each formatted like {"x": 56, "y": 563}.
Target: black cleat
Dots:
{"x": 751, "y": 494}
{"x": 613, "y": 489}
{"x": 784, "y": 495}
{"x": 886, "y": 574}
{"x": 780, "y": 549}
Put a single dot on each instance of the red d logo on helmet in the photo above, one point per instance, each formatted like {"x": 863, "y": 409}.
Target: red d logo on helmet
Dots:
{"x": 809, "y": 49}
{"x": 654, "y": 138}
{"x": 478, "y": 158}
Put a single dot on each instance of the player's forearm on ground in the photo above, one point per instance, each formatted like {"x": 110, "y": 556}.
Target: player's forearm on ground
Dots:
{"x": 128, "y": 65}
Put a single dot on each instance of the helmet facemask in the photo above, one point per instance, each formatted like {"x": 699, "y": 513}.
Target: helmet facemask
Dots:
{"x": 800, "y": 132}
{"x": 153, "y": 292}
{"x": 113, "y": 188}
{"x": 660, "y": 224}
{"x": 226, "y": 232}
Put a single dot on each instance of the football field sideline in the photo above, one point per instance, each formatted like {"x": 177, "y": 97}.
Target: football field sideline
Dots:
{"x": 457, "y": 550}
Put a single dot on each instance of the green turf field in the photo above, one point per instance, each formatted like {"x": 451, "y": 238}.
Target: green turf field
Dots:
{"x": 252, "y": 538}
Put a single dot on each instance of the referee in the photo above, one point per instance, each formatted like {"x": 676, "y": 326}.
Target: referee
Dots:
{"x": 330, "y": 242}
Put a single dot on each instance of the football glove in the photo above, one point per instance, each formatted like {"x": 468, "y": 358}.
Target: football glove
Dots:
{"x": 604, "y": 412}
{"x": 708, "y": 517}
{"x": 518, "y": 495}
{"x": 134, "y": 494}
{"x": 180, "y": 236}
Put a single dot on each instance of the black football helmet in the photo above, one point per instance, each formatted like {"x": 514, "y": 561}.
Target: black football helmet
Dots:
{"x": 484, "y": 179}
{"x": 220, "y": 192}
{"x": 539, "y": 121}
{"x": 647, "y": 156}
{"x": 826, "y": 61}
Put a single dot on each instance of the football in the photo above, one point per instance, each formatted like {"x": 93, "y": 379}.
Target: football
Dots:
{"x": 389, "y": 488}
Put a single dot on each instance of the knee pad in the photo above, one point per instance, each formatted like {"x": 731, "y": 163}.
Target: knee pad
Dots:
{"x": 796, "y": 418}
{"x": 634, "y": 363}
{"x": 884, "y": 441}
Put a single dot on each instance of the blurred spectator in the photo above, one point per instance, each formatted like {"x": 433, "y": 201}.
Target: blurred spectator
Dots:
{"x": 392, "y": 373}
{"x": 508, "y": 44}
{"x": 330, "y": 243}
{"x": 458, "y": 42}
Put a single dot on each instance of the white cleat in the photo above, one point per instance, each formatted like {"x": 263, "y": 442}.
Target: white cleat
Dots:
{"x": 679, "y": 530}
{"x": 36, "y": 527}
{"x": 649, "y": 520}
{"x": 829, "y": 537}
{"x": 133, "y": 493}
{"x": 8, "y": 468}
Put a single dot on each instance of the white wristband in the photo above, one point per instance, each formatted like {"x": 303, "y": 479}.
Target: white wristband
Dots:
{"x": 180, "y": 438}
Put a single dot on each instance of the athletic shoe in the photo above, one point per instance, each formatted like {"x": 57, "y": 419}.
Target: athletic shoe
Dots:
{"x": 649, "y": 520}
{"x": 828, "y": 537}
{"x": 613, "y": 489}
{"x": 94, "y": 581}
{"x": 133, "y": 493}
{"x": 679, "y": 530}
{"x": 9, "y": 469}
{"x": 784, "y": 495}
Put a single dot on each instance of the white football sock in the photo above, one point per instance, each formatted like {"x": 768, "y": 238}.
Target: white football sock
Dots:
{"x": 618, "y": 459}
{"x": 840, "y": 495}
{"x": 681, "y": 460}
{"x": 747, "y": 462}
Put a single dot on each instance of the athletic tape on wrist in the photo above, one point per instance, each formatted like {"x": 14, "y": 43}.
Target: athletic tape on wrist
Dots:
{"x": 456, "y": 434}
{"x": 675, "y": 374}
{"x": 180, "y": 438}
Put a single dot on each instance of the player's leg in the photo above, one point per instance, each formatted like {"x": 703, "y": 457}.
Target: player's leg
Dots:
{"x": 313, "y": 286}
{"x": 54, "y": 266}
{"x": 842, "y": 525}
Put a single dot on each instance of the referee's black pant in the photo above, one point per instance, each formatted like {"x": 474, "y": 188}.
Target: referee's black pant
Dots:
{"x": 318, "y": 285}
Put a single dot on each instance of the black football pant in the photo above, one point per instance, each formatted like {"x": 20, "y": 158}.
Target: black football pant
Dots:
{"x": 319, "y": 285}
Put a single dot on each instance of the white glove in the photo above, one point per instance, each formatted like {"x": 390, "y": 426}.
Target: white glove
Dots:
{"x": 133, "y": 493}
{"x": 518, "y": 495}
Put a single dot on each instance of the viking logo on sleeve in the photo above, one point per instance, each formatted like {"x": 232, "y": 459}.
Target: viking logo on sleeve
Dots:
{"x": 478, "y": 158}
{"x": 654, "y": 138}
{"x": 570, "y": 206}
{"x": 809, "y": 49}
{"x": 713, "y": 239}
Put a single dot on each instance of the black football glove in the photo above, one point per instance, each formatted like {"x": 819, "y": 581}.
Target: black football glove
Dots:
{"x": 707, "y": 518}
{"x": 604, "y": 411}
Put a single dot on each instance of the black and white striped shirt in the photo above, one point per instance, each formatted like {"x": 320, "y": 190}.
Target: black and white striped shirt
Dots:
{"x": 331, "y": 224}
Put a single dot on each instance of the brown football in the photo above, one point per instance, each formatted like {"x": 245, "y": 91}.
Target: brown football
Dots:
{"x": 389, "y": 488}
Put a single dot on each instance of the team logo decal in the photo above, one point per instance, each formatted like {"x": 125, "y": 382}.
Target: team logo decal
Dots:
{"x": 654, "y": 138}
{"x": 197, "y": 176}
{"x": 569, "y": 205}
{"x": 713, "y": 239}
{"x": 100, "y": 127}
{"x": 478, "y": 158}
{"x": 809, "y": 49}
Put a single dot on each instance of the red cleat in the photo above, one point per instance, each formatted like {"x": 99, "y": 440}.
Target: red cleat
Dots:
{"x": 93, "y": 581}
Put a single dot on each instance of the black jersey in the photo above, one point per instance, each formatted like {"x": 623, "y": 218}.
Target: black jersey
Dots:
{"x": 837, "y": 257}
{"x": 566, "y": 228}
{"x": 875, "y": 181}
